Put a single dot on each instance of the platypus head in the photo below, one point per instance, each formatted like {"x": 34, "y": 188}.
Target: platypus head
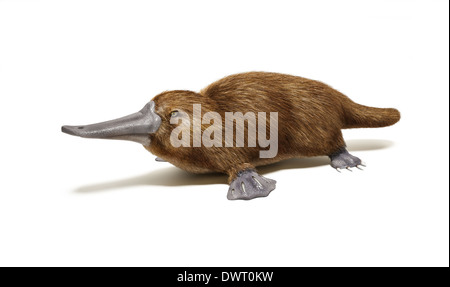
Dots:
{"x": 172, "y": 105}
{"x": 136, "y": 127}
{"x": 141, "y": 127}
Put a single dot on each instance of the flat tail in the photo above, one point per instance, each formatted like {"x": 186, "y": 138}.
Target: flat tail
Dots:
{"x": 359, "y": 116}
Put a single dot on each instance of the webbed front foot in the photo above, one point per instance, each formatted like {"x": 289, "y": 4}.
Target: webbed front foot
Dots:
{"x": 248, "y": 185}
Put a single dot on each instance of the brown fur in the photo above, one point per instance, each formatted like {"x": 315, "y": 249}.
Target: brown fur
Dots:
{"x": 310, "y": 118}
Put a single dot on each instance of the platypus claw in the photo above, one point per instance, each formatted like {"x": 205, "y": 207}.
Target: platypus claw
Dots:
{"x": 248, "y": 185}
{"x": 344, "y": 160}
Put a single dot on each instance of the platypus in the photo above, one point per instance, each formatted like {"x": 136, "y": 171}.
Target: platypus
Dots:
{"x": 308, "y": 122}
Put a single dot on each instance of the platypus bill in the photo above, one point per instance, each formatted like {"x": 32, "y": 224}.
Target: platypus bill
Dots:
{"x": 311, "y": 115}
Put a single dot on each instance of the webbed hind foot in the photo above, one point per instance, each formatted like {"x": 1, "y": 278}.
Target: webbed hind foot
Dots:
{"x": 344, "y": 160}
{"x": 248, "y": 185}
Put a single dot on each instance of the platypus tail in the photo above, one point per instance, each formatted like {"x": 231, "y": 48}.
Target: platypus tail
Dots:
{"x": 359, "y": 116}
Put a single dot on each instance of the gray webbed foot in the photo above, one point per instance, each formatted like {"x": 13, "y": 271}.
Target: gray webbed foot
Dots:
{"x": 248, "y": 185}
{"x": 344, "y": 160}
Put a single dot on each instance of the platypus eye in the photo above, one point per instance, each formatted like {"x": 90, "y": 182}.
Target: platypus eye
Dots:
{"x": 174, "y": 114}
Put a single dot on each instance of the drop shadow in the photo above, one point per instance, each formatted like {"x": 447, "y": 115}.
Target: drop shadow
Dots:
{"x": 169, "y": 176}
{"x": 172, "y": 176}
{"x": 368, "y": 144}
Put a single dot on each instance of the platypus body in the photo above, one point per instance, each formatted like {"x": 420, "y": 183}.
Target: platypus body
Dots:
{"x": 310, "y": 116}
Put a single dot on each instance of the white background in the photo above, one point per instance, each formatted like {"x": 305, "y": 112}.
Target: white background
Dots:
{"x": 71, "y": 201}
